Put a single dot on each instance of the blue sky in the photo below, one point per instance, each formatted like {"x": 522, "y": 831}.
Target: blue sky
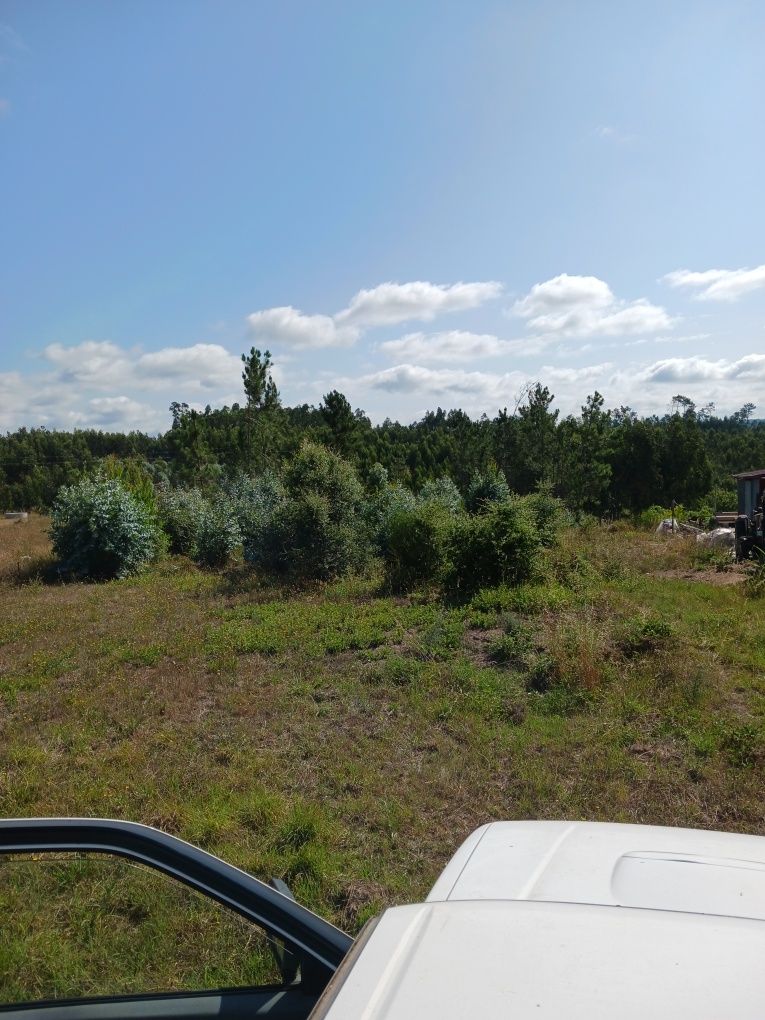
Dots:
{"x": 420, "y": 203}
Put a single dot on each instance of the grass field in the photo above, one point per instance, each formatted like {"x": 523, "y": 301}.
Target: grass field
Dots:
{"x": 347, "y": 741}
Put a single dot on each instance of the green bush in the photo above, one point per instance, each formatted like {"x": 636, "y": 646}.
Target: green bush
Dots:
{"x": 255, "y": 503}
{"x": 380, "y": 510}
{"x": 218, "y": 534}
{"x": 317, "y": 530}
{"x": 100, "y": 530}
{"x": 722, "y": 499}
{"x": 314, "y": 542}
{"x": 134, "y": 475}
{"x": 489, "y": 486}
{"x": 442, "y": 492}
{"x": 643, "y": 635}
{"x": 548, "y": 513}
{"x": 499, "y": 546}
{"x": 416, "y": 547}
{"x": 180, "y": 514}
{"x": 654, "y": 515}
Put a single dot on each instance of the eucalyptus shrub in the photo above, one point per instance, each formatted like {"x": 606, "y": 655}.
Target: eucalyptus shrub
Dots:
{"x": 442, "y": 492}
{"x": 218, "y": 535}
{"x": 180, "y": 513}
{"x": 100, "y": 530}
{"x": 255, "y": 502}
{"x": 381, "y": 509}
{"x": 548, "y": 513}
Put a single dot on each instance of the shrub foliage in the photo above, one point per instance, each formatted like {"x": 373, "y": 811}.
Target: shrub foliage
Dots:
{"x": 100, "y": 530}
{"x": 496, "y": 547}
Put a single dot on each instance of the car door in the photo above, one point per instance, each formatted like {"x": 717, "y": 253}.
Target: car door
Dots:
{"x": 104, "y": 920}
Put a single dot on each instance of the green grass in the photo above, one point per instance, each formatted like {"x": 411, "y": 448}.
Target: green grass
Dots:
{"x": 347, "y": 741}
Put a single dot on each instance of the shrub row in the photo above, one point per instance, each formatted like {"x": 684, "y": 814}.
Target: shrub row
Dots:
{"x": 315, "y": 521}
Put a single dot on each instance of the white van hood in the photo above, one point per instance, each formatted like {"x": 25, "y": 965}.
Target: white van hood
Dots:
{"x": 613, "y": 865}
{"x": 576, "y": 920}
{"x": 548, "y": 961}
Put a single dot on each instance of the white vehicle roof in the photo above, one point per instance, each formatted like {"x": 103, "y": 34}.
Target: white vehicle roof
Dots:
{"x": 549, "y": 919}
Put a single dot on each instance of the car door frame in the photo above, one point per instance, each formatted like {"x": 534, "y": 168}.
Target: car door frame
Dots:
{"x": 320, "y": 946}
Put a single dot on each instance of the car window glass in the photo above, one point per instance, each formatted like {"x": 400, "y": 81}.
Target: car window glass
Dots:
{"x": 92, "y": 925}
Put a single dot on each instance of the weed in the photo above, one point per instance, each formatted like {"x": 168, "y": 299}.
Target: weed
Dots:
{"x": 742, "y": 743}
{"x": 542, "y": 674}
{"x": 645, "y": 634}
{"x": 441, "y": 639}
{"x": 754, "y": 586}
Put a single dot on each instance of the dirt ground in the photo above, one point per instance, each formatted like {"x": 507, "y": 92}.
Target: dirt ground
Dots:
{"x": 734, "y": 574}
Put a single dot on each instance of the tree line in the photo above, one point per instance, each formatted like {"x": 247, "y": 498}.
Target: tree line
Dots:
{"x": 601, "y": 461}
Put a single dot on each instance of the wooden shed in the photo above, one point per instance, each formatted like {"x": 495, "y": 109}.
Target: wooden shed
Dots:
{"x": 751, "y": 488}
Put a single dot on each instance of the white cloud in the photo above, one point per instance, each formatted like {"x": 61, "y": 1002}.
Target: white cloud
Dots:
{"x": 287, "y": 325}
{"x": 99, "y": 384}
{"x": 613, "y": 134}
{"x": 119, "y": 413}
{"x": 581, "y": 306}
{"x": 203, "y": 365}
{"x": 588, "y": 373}
{"x": 718, "y": 284}
{"x": 101, "y": 364}
{"x": 472, "y": 387}
{"x": 91, "y": 363}
{"x": 685, "y": 370}
{"x": 452, "y": 345}
{"x": 392, "y": 303}
{"x": 385, "y": 305}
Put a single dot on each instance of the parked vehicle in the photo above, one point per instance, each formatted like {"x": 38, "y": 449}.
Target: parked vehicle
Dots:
{"x": 528, "y": 919}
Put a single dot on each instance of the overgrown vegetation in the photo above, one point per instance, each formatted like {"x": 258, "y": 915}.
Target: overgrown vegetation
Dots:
{"x": 346, "y": 738}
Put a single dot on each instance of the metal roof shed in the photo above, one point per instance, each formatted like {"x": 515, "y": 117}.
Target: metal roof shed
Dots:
{"x": 750, "y": 486}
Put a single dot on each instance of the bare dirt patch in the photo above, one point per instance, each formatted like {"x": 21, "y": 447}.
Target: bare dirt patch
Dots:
{"x": 735, "y": 574}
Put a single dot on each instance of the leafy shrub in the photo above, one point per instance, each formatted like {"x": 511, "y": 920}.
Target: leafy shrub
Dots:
{"x": 416, "y": 548}
{"x": 442, "y": 638}
{"x": 489, "y": 486}
{"x": 514, "y": 644}
{"x": 653, "y": 516}
{"x": 100, "y": 530}
{"x": 255, "y": 502}
{"x": 543, "y": 674}
{"x": 496, "y": 547}
{"x": 377, "y": 478}
{"x": 218, "y": 534}
{"x": 180, "y": 514}
{"x": 742, "y": 743}
{"x": 134, "y": 475}
{"x": 442, "y": 492}
{"x": 722, "y": 498}
{"x": 380, "y": 510}
{"x": 317, "y": 530}
{"x": 548, "y": 513}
